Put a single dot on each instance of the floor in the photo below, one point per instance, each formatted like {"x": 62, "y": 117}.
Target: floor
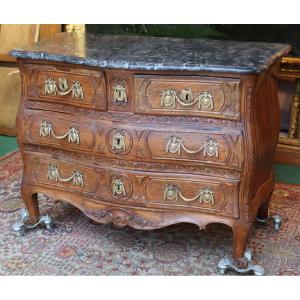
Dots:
{"x": 284, "y": 173}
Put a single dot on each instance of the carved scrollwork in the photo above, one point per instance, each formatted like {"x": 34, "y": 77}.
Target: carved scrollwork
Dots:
{"x": 119, "y": 116}
{"x": 205, "y": 195}
{"x": 209, "y": 147}
{"x": 63, "y": 88}
{"x": 121, "y": 218}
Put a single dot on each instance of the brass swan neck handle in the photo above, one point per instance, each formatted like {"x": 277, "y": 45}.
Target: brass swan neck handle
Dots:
{"x": 205, "y": 195}
{"x": 169, "y": 98}
{"x": 63, "y": 89}
{"x": 208, "y": 147}
{"x": 54, "y": 175}
{"x": 73, "y": 134}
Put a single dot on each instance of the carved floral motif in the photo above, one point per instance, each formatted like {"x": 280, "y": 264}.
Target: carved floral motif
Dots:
{"x": 121, "y": 218}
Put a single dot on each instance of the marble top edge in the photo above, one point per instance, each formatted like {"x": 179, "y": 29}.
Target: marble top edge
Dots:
{"x": 155, "y": 54}
{"x": 122, "y": 65}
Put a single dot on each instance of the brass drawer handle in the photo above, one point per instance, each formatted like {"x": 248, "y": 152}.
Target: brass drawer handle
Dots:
{"x": 52, "y": 89}
{"x": 76, "y": 177}
{"x": 169, "y": 98}
{"x": 205, "y": 195}
{"x": 118, "y": 188}
{"x": 209, "y": 147}
{"x": 46, "y": 129}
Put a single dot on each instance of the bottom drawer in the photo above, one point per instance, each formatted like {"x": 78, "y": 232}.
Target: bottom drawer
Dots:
{"x": 138, "y": 189}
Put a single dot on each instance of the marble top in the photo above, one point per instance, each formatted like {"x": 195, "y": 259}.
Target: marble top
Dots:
{"x": 153, "y": 53}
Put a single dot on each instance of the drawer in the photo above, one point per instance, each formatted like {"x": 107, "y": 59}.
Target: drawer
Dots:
{"x": 57, "y": 130}
{"x": 194, "y": 192}
{"x": 190, "y": 95}
{"x": 138, "y": 189}
{"x": 172, "y": 144}
{"x": 216, "y": 148}
{"x": 72, "y": 177}
{"x": 134, "y": 142}
{"x": 66, "y": 85}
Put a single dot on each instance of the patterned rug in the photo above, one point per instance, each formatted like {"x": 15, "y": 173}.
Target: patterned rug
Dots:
{"x": 77, "y": 246}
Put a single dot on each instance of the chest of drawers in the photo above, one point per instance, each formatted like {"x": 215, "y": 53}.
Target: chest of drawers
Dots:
{"x": 149, "y": 132}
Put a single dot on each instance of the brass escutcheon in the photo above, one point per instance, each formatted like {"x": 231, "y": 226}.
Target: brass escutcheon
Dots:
{"x": 118, "y": 188}
{"x": 118, "y": 141}
{"x": 120, "y": 96}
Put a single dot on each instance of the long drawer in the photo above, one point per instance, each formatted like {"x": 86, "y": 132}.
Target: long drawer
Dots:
{"x": 139, "y": 142}
{"x": 132, "y": 188}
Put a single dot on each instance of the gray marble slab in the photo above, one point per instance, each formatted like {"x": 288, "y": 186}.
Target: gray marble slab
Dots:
{"x": 153, "y": 53}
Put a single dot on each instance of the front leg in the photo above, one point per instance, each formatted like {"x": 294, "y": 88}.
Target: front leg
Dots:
{"x": 31, "y": 202}
{"x": 240, "y": 236}
{"x": 241, "y": 260}
{"x": 30, "y": 217}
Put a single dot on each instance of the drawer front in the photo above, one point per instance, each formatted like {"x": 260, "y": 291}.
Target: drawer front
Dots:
{"x": 57, "y": 131}
{"x": 206, "y": 195}
{"x": 196, "y": 96}
{"x": 223, "y": 149}
{"x": 64, "y": 175}
{"x": 134, "y": 142}
{"x": 71, "y": 86}
{"x": 171, "y": 145}
{"x": 138, "y": 189}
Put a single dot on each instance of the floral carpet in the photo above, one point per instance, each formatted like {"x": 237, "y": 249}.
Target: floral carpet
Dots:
{"x": 78, "y": 246}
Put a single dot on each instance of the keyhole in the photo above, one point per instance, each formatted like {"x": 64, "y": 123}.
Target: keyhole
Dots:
{"x": 118, "y": 141}
{"x": 120, "y": 94}
{"x": 186, "y": 97}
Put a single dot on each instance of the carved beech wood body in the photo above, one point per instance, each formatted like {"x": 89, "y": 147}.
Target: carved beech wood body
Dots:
{"x": 149, "y": 149}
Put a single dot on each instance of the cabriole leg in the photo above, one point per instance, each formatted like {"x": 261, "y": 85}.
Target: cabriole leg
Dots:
{"x": 31, "y": 202}
{"x": 240, "y": 235}
{"x": 241, "y": 261}
{"x": 30, "y": 217}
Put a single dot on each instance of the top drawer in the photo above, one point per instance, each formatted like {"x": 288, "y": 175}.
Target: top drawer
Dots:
{"x": 190, "y": 95}
{"x": 72, "y": 86}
